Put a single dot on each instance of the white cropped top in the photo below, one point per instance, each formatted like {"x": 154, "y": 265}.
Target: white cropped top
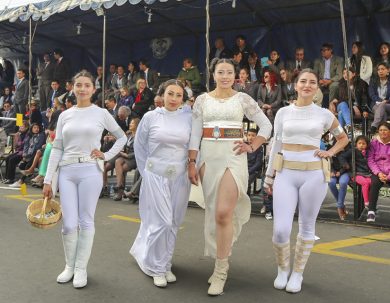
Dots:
{"x": 299, "y": 125}
{"x": 302, "y": 124}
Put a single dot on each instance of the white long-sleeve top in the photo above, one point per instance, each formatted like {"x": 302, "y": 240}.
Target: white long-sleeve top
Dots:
{"x": 162, "y": 140}
{"x": 78, "y": 133}
{"x": 209, "y": 109}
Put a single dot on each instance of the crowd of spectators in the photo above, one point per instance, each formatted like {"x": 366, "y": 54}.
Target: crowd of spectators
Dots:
{"x": 130, "y": 93}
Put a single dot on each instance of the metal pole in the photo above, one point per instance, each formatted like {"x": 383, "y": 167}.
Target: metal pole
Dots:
{"x": 356, "y": 205}
{"x": 207, "y": 45}
{"x": 30, "y": 63}
{"x": 104, "y": 59}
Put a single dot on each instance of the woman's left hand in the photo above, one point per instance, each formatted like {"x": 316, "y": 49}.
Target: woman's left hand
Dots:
{"x": 97, "y": 154}
{"x": 241, "y": 147}
{"x": 323, "y": 153}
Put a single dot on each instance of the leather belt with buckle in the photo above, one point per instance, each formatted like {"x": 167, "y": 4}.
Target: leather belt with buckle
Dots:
{"x": 222, "y": 133}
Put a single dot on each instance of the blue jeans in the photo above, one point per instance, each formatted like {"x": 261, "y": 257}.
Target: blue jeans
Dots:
{"x": 339, "y": 194}
{"x": 343, "y": 114}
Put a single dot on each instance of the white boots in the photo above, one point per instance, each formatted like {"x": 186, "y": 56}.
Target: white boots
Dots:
{"x": 84, "y": 248}
{"x": 77, "y": 248}
{"x": 302, "y": 252}
{"x": 282, "y": 254}
{"x": 218, "y": 278}
{"x": 70, "y": 247}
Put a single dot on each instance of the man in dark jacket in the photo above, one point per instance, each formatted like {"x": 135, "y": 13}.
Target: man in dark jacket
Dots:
{"x": 255, "y": 159}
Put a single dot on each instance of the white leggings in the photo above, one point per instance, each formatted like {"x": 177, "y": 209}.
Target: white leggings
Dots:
{"x": 80, "y": 185}
{"x": 307, "y": 189}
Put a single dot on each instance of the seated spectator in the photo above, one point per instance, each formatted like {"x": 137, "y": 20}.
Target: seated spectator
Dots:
{"x": 34, "y": 113}
{"x": 12, "y": 161}
{"x": 244, "y": 85}
{"x": 44, "y": 161}
{"x": 190, "y": 73}
{"x": 6, "y": 96}
{"x": 123, "y": 118}
{"x": 97, "y": 95}
{"x": 143, "y": 99}
{"x": 363, "y": 173}
{"x": 8, "y": 112}
{"x": 329, "y": 69}
{"x": 295, "y": 66}
{"x": 219, "y": 50}
{"x": 55, "y": 92}
{"x": 255, "y": 159}
{"x": 275, "y": 64}
{"x": 133, "y": 193}
{"x": 132, "y": 76}
{"x": 70, "y": 102}
{"x": 111, "y": 73}
{"x": 68, "y": 91}
{"x": 244, "y": 48}
{"x": 254, "y": 68}
{"x": 126, "y": 160}
{"x": 158, "y": 102}
{"x": 36, "y": 138}
{"x": 339, "y": 175}
{"x": 379, "y": 91}
{"x": 269, "y": 95}
{"x": 237, "y": 59}
{"x": 119, "y": 80}
{"x": 384, "y": 54}
{"x": 359, "y": 95}
{"x": 362, "y": 64}
{"x": 379, "y": 163}
{"x": 149, "y": 75}
{"x": 125, "y": 99}
{"x": 289, "y": 94}
{"x": 112, "y": 105}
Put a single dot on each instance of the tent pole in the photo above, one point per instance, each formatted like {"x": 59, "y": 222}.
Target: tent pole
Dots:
{"x": 207, "y": 45}
{"x": 29, "y": 64}
{"x": 356, "y": 205}
{"x": 104, "y": 59}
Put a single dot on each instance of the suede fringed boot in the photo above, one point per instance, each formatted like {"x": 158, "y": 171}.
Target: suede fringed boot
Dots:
{"x": 218, "y": 279}
{"x": 282, "y": 255}
{"x": 302, "y": 252}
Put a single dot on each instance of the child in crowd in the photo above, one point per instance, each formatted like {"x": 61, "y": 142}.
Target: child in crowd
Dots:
{"x": 363, "y": 173}
{"x": 340, "y": 175}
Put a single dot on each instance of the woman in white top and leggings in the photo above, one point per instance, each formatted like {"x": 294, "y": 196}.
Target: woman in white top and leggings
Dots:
{"x": 301, "y": 170}
{"x": 76, "y": 152}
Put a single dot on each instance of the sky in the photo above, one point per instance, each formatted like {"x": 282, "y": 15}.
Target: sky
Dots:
{"x": 16, "y": 3}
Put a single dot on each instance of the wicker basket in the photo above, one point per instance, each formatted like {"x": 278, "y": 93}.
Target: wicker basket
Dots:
{"x": 44, "y": 213}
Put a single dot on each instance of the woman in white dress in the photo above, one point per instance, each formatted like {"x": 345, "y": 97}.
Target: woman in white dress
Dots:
{"x": 217, "y": 122}
{"x": 161, "y": 146}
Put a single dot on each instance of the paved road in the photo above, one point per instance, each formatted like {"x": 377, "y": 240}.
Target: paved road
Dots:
{"x": 355, "y": 270}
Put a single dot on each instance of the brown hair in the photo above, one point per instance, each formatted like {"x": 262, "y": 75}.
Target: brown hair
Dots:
{"x": 84, "y": 73}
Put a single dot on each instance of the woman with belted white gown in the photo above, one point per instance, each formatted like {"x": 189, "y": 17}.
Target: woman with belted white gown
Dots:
{"x": 217, "y": 133}
{"x": 161, "y": 146}
{"x": 77, "y": 157}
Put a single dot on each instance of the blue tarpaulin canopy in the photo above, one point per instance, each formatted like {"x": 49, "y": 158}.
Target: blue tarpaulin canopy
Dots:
{"x": 268, "y": 24}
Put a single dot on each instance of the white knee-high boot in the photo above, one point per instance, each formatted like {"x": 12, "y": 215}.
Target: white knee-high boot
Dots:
{"x": 282, "y": 254}
{"x": 302, "y": 252}
{"x": 70, "y": 247}
{"x": 84, "y": 248}
{"x": 219, "y": 277}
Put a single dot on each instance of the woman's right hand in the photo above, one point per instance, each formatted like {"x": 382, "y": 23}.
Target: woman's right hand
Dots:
{"x": 47, "y": 191}
{"x": 193, "y": 173}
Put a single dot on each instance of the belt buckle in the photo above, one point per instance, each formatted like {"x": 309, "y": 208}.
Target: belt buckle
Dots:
{"x": 216, "y": 132}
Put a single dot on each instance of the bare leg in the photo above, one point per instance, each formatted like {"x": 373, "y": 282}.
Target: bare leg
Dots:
{"x": 119, "y": 171}
{"x": 226, "y": 203}
{"x": 37, "y": 157}
{"x": 107, "y": 168}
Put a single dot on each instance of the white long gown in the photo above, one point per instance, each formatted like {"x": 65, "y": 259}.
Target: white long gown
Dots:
{"x": 161, "y": 150}
{"x": 218, "y": 156}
